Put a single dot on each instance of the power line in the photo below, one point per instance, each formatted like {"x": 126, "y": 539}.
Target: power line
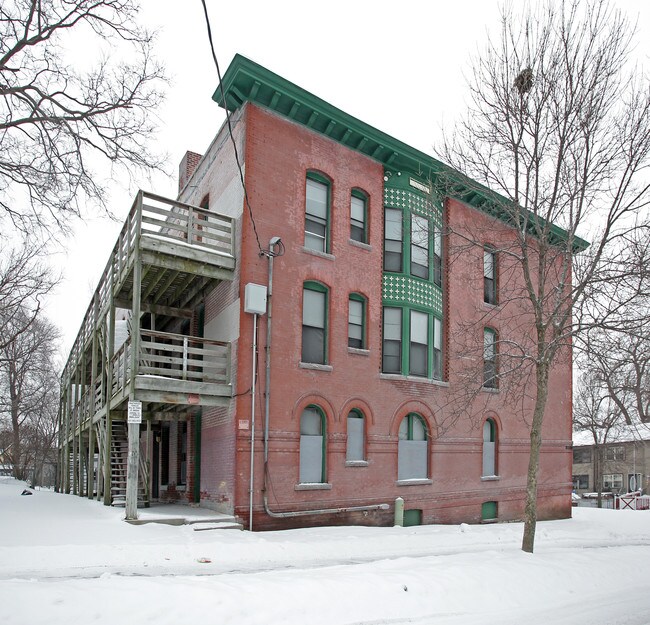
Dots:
{"x": 232, "y": 138}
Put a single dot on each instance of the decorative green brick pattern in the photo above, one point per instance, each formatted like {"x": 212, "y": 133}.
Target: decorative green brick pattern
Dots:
{"x": 414, "y": 202}
{"x": 405, "y": 290}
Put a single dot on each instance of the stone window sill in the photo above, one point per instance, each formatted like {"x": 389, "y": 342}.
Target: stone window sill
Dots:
{"x": 356, "y": 463}
{"x": 413, "y": 378}
{"x": 488, "y": 389}
{"x": 358, "y": 352}
{"x": 315, "y": 367}
{"x": 324, "y": 255}
{"x": 414, "y": 482}
{"x": 360, "y": 245}
{"x": 313, "y": 486}
{"x": 490, "y": 478}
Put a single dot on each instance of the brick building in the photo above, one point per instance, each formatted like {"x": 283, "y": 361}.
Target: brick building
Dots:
{"x": 619, "y": 465}
{"x": 359, "y": 365}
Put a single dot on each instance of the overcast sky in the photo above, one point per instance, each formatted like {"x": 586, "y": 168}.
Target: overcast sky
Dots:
{"x": 399, "y": 66}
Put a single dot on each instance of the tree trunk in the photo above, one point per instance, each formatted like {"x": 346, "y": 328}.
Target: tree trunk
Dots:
{"x": 530, "y": 512}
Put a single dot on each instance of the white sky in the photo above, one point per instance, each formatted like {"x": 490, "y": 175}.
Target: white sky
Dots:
{"x": 65, "y": 559}
{"x": 398, "y": 66}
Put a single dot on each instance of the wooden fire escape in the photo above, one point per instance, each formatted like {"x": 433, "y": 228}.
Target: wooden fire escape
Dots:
{"x": 167, "y": 257}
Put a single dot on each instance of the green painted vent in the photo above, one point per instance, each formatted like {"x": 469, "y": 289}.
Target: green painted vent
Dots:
{"x": 489, "y": 511}
{"x": 412, "y": 517}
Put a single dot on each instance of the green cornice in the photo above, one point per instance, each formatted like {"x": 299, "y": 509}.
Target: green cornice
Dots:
{"x": 246, "y": 81}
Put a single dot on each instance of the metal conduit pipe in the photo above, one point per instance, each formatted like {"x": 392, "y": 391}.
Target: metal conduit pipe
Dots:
{"x": 273, "y": 243}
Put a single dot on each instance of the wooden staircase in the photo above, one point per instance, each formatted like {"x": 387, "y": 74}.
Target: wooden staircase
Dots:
{"x": 119, "y": 459}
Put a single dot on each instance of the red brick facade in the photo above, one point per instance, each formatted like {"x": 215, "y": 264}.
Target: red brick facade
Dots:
{"x": 278, "y": 154}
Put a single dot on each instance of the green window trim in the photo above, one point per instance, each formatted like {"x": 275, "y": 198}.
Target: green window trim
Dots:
{"x": 355, "y": 448}
{"x": 489, "y": 452}
{"x": 305, "y": 431}
{"x": 413, "y": 427}
{"x": 394, "y": 240}
{"x": 355, "y": 323}
{"x": 490, "y": 359}
{"x": 318, "y": 209}
{"x": 490, "y": 270}
{"x": 392, "y": 342}
{"x": 311, "y": 351}
{"x": 359, "y": 216}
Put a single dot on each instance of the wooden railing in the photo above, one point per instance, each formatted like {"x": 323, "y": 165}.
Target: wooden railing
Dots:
{"x": 155, "y": 217}
{"x": 173, "y": 356}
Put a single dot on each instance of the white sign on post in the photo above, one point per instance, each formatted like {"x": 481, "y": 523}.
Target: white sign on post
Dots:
{"x": 135, "y": 412}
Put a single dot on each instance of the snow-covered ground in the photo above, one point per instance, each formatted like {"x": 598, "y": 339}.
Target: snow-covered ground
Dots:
{"x": 64, "y": 559}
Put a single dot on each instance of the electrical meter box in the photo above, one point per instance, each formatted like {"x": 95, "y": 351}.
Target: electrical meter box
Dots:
{"x": 255, "y": 299}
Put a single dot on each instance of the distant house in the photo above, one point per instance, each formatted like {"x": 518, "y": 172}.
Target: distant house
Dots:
{"x": 620, "y": 465}
{"x": 354, "y": 373}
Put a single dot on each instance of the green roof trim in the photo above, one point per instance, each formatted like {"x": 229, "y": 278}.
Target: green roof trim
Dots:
{"x": 246, "y": 81}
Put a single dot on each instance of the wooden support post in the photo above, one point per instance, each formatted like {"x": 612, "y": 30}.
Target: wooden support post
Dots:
{"x": 108, "y": 435}
{"x": 132, "y": 472}
{"x": 90, "y": 467}
{"x": 134, "y": 428}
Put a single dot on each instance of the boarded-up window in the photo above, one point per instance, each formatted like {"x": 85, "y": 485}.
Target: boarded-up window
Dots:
{"x": 412, "y": 450}
{"x": 355, "y": 443}
{"x": 489, "y": 448}
{"x": 311, "y": 446}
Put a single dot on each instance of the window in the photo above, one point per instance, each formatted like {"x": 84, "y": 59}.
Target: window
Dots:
{"x": 392, "y": 345}
{"x": 615, "y": 452}
{"x": 393, "y": 237}
{"x": 356, "y": 321}
{"x": 489, "y": 511}
{"x": 437, "y": 349}
{"x": 613, "y": 481}
{"x": 437, "y": 256}
{"x": 634, "y": 482}
{"x": 419, "y": 346}
{"x": 312, "y": 446}
{"x": 580, "y": 482}
{"x": 420, "y": 247}
{"x": 355, "y": 447}
{"x": 581, "y": 455}
{"x": 317, "y": 213}
{"x": 489, "y": 448}
{"x": 314, "y": 319}
{"x": 489, "y": 275}
{"x": 358, "y": 212}
{"x": 422, "y": 355}
{"x": 489, "y": 358}
{"x": 412, "y": 450}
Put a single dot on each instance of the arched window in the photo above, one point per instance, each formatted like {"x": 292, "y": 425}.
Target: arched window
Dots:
{"x": 357, "y": 321}
{"x": 355, "y": 447}
{"x": 359, "y": 216}
{"x": 314, "y": 323}
{"x": 490, "y": 371}
{"x": 317, "y": 213}
{"x": 413, "y": 448}
{"x": 489, "y": 275}
{"x": 489, "y": 448}
{"x": 312, "y": 445}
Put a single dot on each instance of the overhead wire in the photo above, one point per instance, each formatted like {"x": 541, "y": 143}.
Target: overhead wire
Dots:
{"x": 262, "y": 251}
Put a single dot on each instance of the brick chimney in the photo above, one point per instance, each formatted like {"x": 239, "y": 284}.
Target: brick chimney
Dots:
{"x": 187, "y": 167}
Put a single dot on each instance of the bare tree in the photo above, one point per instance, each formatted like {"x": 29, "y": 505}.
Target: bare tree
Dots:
{"x": 28, "y": 391}
{"x": 58, "y": 120}
{"x": 25, "y": 279}
{"x": 559, "y": 130}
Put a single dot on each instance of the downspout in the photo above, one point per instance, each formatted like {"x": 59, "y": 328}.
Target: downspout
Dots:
{"x": 273, "y": 243}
